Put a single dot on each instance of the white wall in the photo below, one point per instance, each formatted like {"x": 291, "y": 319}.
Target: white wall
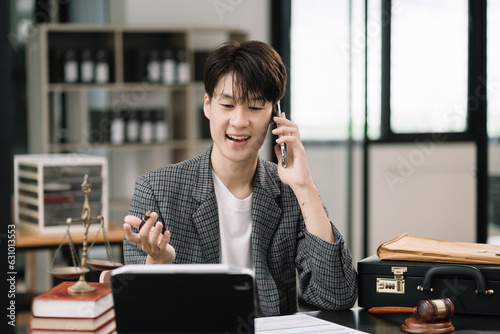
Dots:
{"x": 494, "y": 169}
{"x": 329, "y": 169}
{"x": 423, "y": 191}
{"x": 252, "y": 16}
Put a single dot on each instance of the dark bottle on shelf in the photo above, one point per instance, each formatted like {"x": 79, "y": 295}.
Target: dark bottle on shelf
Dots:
{"x": 70, "y": 66}
{"x": 168, "y": 67}
{"x": 138, "y": 70}
{"x": 102, "y": 66}
{"x": 118, "y": 127}
{"x": 132, "y": 127}
{"x": 56, "y": 63}
{"x": 161, "y": 126}
{"x": 153, "y": 67}
{"x": 183, "y": 71}
{"x": 100, "y": 126}
{"x": 146, "y": 127}
{"x": 87, "y": 66}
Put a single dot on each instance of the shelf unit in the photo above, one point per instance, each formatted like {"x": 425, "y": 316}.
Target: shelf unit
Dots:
{"x": 81, "y": 105}
{"x": 48, "y": 190}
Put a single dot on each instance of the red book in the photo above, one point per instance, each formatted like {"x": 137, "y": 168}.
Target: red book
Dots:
{"x": 72, "y": 324}
{"x": 58, "y": 302}
{"x": 107, "y": 328}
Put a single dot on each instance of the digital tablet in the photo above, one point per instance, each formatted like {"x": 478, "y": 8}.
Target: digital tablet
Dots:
{"x": 183, "y": 298}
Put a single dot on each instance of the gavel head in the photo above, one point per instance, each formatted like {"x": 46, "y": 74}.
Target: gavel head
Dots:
{"x": 435, "y": 309}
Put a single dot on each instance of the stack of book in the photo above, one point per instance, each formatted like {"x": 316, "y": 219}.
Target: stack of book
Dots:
{"x": 58, "y": 311}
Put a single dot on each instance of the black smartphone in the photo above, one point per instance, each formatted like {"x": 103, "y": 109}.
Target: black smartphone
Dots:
{"x": 283, "y": 146}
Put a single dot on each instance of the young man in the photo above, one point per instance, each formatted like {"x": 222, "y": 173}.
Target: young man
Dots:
{"x": 230, "y": 206}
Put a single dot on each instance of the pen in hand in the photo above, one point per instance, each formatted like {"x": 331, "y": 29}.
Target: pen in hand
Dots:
{"x": 146, "y": 217}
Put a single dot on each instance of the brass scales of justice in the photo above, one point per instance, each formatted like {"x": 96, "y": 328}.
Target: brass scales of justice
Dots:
{"x": 79, "y": 269}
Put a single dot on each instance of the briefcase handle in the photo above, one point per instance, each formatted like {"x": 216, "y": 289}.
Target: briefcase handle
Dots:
{"x": 455, "y": 270}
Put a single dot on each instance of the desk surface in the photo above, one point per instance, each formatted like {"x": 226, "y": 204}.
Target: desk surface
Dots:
{"x": 360, "y": 319}
{"x": 28, "y": 238}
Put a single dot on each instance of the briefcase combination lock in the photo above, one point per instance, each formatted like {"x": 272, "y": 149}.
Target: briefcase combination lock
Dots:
{"x": 394, "y": 285}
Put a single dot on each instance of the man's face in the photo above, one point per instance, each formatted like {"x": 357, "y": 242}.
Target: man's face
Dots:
{"x": 238, "y": 129}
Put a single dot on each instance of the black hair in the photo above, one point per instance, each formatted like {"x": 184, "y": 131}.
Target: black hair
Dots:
{"x": 256, "y": 69}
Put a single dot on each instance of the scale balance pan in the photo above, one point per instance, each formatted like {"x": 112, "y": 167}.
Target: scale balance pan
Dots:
{"x": 68, "y": 272}
{"x": 103, "y": 264}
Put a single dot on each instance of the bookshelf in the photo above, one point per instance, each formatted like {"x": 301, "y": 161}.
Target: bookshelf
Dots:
{"x": 131, "y": 94}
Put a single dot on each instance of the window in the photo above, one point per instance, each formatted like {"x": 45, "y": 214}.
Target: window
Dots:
{"x": 429, "y": 61}
{"x": 374, "y": 25}
{"x": 493, "y": 56}
{"x": 320, "y": 68}
{"x": 418, "y": 68}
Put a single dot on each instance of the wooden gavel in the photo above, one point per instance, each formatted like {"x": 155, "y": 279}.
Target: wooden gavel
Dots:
{"x": 428, "y": 310}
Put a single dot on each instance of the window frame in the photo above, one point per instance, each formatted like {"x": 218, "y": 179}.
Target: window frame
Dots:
{"x": 476, "y": 42}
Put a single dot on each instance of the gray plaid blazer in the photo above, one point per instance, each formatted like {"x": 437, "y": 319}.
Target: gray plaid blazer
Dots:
{"x": 183, "y": 196}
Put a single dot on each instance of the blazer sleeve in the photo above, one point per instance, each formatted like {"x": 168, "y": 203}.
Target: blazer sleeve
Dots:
{"x": 142, "y": 201}
{"x": 327, "y": 276}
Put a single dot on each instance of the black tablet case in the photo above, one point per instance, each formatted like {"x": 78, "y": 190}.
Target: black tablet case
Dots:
{"x": 473, "y": 289}
{"x": 183, "y": 303}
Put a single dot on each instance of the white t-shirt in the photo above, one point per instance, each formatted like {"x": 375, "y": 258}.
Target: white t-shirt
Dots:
{"x": 235, "y": 223}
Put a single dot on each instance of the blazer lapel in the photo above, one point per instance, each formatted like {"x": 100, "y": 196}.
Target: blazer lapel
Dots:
{"x": 265, "y": 219}
{"x": 206, "y": 216}
{"x": 266, "y": 212}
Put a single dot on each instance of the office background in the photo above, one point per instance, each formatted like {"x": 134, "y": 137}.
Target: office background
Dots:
{"x": 375, "y": 186}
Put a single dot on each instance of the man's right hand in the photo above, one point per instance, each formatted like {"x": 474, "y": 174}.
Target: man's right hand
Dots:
{"x": 150, "y": 239}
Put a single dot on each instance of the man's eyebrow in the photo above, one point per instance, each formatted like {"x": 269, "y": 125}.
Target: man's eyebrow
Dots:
{"x": 252, "y": 99}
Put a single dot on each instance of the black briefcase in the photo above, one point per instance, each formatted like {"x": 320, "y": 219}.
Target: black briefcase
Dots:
{"x": 473, "y": 289}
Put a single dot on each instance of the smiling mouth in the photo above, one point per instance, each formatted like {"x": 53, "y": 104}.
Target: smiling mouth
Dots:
{"x": 238, "y": 138}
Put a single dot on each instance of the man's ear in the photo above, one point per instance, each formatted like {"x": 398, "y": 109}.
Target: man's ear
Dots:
{"x": 206, "y": 106}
